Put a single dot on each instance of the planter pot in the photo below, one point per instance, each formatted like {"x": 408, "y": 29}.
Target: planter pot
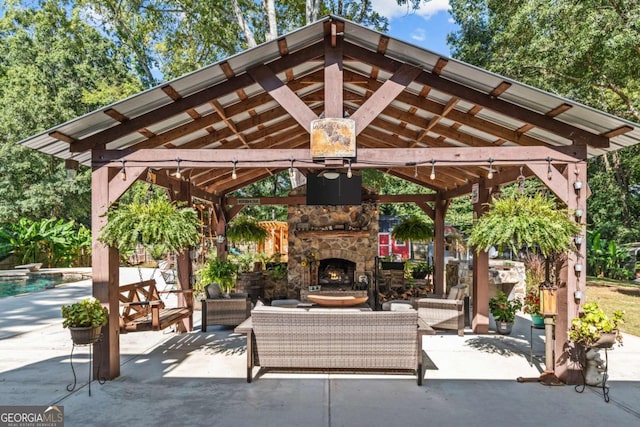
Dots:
{"x": 607, "y": 340}
{"x": 537, "y": 321}
{"x": 392, "y": 265}
{"x": 504, "y": 328}
{"x": 85, "y": 335}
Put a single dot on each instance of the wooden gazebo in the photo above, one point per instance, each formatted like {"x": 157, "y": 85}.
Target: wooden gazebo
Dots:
{"x": 440, "y": 123}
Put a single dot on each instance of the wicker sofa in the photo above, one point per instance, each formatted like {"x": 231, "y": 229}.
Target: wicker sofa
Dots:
{"x": 334, "y": 339}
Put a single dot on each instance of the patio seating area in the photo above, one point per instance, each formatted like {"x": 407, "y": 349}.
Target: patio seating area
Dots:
{"x": 199, "y": 378}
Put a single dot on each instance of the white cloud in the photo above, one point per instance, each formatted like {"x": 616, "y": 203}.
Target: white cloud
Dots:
{"x": 419, "y": 35}
{"x": 390, "y": 8}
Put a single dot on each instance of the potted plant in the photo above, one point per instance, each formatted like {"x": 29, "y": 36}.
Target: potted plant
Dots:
{"x": 532, "y": 308}
{"x": 220, "y": 271}
{"x": 85, "y": 320}
{"x": 593, "y": 328}
{"x": 504, "y": 311}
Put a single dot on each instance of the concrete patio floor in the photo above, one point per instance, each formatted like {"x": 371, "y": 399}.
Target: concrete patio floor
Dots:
{"x": 199, "y": 379}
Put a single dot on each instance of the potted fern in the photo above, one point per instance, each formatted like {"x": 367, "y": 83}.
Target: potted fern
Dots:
{"x": 159, "y": 225}
{"x": 246, "y": 229}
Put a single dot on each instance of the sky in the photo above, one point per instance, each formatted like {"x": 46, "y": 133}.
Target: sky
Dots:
{"x": 427, "y": 27}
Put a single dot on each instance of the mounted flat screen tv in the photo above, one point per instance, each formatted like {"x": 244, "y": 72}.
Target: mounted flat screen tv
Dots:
{"x": 339, "y": 191}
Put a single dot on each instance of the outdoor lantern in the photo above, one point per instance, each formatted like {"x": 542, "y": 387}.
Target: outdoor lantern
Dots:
{"x": 548, "y": 299}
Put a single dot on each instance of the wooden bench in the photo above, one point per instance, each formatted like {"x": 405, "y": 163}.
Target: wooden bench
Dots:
{"x": 143, "y": 310}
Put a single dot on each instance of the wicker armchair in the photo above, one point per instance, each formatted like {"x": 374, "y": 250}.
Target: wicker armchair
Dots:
{"x": 444, "y": 313}
{"x": 225, "y": 311}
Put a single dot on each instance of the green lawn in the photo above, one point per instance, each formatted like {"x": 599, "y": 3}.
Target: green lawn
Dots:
{"x": 617, "y": 295}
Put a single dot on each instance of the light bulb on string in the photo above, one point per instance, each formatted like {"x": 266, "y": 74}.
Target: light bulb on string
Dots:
{"x": 123, "y": 171}
{"x": 178, "y": 173}
{"x": 349, "y": 172}
{"x": 433, "y": 170}
{"x": 234, "y": 174}
{"x": 490, "y": 174}
{"x": 291, "y": 173}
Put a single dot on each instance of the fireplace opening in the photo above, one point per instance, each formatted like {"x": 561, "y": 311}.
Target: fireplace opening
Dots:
{"x": 336, "y": 272}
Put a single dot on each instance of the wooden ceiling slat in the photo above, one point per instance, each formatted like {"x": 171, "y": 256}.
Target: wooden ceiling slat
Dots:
{"x": 171, "y": 92}
{"x": 61, "y": 137}
{"x": 440, "y": 64}
{"x": 500, "y": 89}
{"x": 116, "y": 115}
{"x": 559, "y": 110}
{"x": 619, "y": 131}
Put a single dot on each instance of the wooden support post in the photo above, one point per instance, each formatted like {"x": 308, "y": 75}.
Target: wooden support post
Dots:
{"x": 438, "y": 246}
{"x": 480, "y": 320}
{"x": 185, "y": 269}
{"x": 105, "y": 274}
{"x": 570, "y": 280}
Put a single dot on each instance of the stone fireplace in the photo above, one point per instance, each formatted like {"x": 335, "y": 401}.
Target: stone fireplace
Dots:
{"x": 331, "y": 248}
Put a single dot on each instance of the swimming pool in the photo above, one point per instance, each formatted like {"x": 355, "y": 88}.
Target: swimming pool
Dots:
{"x": 16, "y": 285}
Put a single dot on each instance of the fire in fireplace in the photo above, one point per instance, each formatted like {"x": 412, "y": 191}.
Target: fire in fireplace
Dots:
{"x": 336, "y": 271}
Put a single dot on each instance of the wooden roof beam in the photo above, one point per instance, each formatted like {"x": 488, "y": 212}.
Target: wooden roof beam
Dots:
{"x": 382, "y": 97}
{"x": 333, "y": 82}
{"x": 283, "y": 95}
{"x": 579, "y": 136}
{"x": 191, "y": 101}
{"x": 463, "y": 118}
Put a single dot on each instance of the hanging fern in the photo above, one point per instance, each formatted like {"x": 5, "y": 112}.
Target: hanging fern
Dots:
{"x": 246, "y": 229}
{"x": 517, "y": 221}
{"x": 159, "y": 225}
{"x": 413, "y": 228}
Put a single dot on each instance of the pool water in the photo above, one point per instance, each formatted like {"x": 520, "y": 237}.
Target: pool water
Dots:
{"x": 22, "y": 285}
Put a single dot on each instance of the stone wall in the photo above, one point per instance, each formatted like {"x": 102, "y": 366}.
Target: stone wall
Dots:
{"x": 323, "y": 232}
{"x": 506, "y": 276}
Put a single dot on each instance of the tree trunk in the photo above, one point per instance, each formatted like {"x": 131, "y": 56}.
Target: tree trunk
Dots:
{"x": 270, "y": 8}
{"x": 248, "y": 34}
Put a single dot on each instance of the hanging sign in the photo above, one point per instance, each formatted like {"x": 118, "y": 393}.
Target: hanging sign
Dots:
{"x": 248, "y": 201}
{"x": 475, "y": 193}
{"x": 333, "y": 138}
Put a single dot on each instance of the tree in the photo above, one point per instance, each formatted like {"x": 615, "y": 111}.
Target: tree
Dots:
{"x": 53, "y": 68}
{"x": 588, "y": 51}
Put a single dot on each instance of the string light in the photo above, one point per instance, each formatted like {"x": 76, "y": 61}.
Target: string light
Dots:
{"x": 123, "y": 171}
{"x": 178, "y": 173}
{"x": 549, "y": 170}
{"x": 415, "y": 171}
{"x": 234, "y": 175}
{"x": 433, "y": 170}
{"x": 490, "y": 174}
{"x": 349, "y": 173}
{"x": 291, "y": 173}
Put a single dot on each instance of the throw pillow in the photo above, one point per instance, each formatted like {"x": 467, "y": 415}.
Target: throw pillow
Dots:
{"x": 213, "y": 291}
